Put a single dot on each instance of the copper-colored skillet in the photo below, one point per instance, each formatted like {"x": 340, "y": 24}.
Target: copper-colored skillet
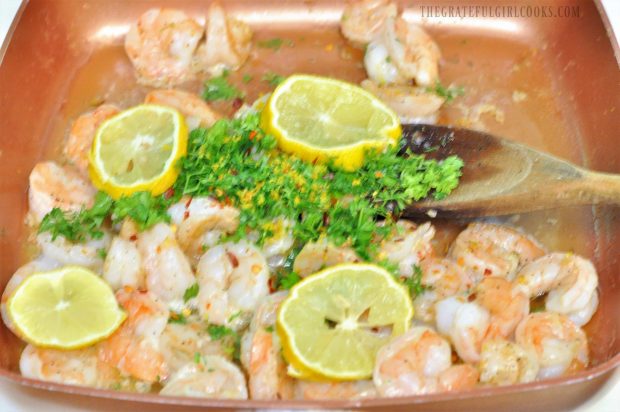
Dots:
{"x": 66, "y": 55}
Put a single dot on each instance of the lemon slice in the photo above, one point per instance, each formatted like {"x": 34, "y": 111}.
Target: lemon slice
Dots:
{"x": 137, "y": 150}
{"x": 66, "y": 308}
{"x": 334, "y": 322}
{"x": 318, "y": 118}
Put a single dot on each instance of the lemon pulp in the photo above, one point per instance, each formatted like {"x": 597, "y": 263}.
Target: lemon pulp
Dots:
{"x": 66, "y": 308}
{"x": 137, "y": 150}
{"x": 320, "y": 119}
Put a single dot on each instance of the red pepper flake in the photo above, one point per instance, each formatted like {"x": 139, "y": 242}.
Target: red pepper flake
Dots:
{"x": 186, "y": 215}
{"x": 169, "y": 193}
{"x": 272, "y": 285}
{"x": 236, "y": 104}
{"x": 471, "y": 297}
{"x": 233, "y": 260}
{"x": 189, "y": 202}
{"x": 488, "y": 272}
{"x": 133, "y": 237}
{"x": 252, "y": 134}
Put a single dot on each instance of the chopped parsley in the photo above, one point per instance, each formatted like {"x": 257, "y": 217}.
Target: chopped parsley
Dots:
{"x": 144, "y": 209}
{"x": 81, "y": 226}
{"x": 390, "y": 267}
{"x": 217, "y": 332}
{"x": 274, "y": 43}
{"x": 197, "y": 358}
{"x": 178, "y": 318}
{"x": 272, "y": 78}
{"x": 231, "y": 339}
{"x": 287, "y": 281}
{"x": 269, "y": 329}
{"x": 234, "y": 161}
{"x": 191, "y": 292}
{"x": 234, "y": 316}
{"x": 448, "y": 93}
{"x": 247, "y": 78}
{"x": 219, "y": 88}
{"x": 414, "y": 283}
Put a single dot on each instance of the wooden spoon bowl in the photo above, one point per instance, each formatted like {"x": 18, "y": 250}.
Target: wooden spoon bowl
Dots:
{"x": 502, "y": 177}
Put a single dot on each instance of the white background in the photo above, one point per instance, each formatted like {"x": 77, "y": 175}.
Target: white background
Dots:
{"x": 16, "y": 398}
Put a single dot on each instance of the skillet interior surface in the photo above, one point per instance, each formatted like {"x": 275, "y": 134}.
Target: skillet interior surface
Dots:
{"x": 552, "y": 83}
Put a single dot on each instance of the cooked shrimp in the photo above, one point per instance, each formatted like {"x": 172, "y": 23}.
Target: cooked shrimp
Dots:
{"x": 441, "y": 278}
{"x": 412, "y": 363}
{"x": 82, "y": 134}
{"x": 493, "y": 250}
{"x": 363, "y": 20}
{"x": 65, "y": 252}
{"x": 261, "y": 353}
{"x": 212, "y": 377}
{"x": 412, "y": 51}
{"x": 54, "y": 186}
{"x": 582, "y": 316}
{"x": 196, "y": 111}
{"x": 161, "y": 47}
{"x": 408, "y": 245}
{"x": 275, "y": 247}
{"x": 73, "y": 367}
{"x": 445, "y": 277}
{"x": 201, "y": 221}
{"x": 233, "y": 278}
{"x": 123, "y": 265}
{"x": 41, "y": 264}
{"x": 316, "y": 255}
{"x": 180, "y": 344}
{"x": 458, "y": 378}
{"x": 505, "y": 363}
{"x": 507, "y": 305}
{"x": 560, "y": 345}
{"x": 465, "y": 323}
{"x": 167, "y": 271}
{"x": 411, "y": 104}
{"x": 310, "y": 390}
{"x": 570, "y": 280}
{"x": 134, "y": 349}
{"x": 379, "y": 67}
{"x": 227, "y": 46}
{"x": 266, "y": 369}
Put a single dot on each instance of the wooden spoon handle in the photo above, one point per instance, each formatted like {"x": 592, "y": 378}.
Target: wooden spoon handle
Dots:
{"x": 600, "y": 187}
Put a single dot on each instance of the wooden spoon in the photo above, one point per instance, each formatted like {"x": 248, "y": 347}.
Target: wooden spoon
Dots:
{"x": 503, "y": 177}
